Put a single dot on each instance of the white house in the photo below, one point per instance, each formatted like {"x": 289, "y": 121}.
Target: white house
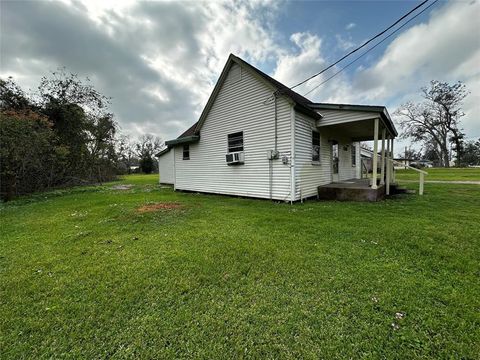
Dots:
{"x": 257, "y": 138}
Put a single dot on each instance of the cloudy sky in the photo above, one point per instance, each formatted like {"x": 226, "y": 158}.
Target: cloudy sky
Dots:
{"x": 159, "y": 61}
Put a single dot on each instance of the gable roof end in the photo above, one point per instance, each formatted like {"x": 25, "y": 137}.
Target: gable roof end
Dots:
{"x": 301, "y": 103}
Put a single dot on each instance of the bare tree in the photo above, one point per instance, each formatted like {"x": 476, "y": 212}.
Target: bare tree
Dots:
{"x": 449, "y": 99}
{"x": 436, "y": 119}
{"x": 126, "y": 152}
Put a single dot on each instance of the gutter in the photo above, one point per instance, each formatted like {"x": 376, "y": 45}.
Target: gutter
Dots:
{"x": 292, "y": 155}
{"x": 275, "y": 95}
{"x": 307, "y": 111}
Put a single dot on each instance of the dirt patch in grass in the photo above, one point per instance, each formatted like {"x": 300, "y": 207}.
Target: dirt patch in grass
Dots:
{"x": 163, "y": 206}
{"x": 122, "y": 187}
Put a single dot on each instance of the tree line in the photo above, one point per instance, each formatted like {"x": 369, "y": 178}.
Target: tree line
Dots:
{"x": 435, "y": 122}
{"x": 63, "y": 134}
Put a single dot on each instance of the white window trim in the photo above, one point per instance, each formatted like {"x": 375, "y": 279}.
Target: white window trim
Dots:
{"x": 319, "y": 161}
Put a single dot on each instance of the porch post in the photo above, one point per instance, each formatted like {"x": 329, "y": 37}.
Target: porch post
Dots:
{"x": 389, "y": 169}
{"x": 375, "y": 155}
{"x": 382, "y": 170}
{"x": 393, "y": 169}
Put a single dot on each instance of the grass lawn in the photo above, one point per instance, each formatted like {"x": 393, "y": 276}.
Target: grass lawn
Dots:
{"x": 87, "y": 273}
{"x": 451, "y": 174}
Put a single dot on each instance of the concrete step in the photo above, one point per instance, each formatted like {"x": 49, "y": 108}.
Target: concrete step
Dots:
{"x": 397, "y": 189}
{"x": 348, "y": 193}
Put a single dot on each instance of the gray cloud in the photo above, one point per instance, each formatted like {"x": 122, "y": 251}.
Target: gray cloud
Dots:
{"x": 159, "y": 60}
{"x": 39, "y": 36}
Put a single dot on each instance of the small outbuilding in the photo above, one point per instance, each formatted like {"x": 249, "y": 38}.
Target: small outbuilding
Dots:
{"x": 165, "y": 166}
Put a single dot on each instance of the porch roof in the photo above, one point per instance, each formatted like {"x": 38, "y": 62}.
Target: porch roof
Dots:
{"x": 356, "y": 121}
{"x": 357, "y": 130}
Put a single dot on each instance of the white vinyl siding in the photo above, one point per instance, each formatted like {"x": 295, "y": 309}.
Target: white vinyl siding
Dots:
{"x": 165, "y": 168}
{"x": 239, "y": 107}
{"x": 309, "y": 175}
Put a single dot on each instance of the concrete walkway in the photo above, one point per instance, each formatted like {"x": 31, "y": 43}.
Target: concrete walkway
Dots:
{"x": 466, "y": 182}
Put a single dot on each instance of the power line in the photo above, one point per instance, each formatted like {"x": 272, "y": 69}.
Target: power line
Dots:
{"x": 373, "y": 47}
{"x": 361, "y": 46}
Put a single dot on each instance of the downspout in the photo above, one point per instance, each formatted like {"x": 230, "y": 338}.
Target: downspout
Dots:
{"x": 292, "y": 155}
{"x": 174, "y": 170}
{"x": 275, "y": 147}
{"x": 275, "y": 94}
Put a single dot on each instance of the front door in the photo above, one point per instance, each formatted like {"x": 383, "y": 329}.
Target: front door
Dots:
{"x": 335, "y": 161}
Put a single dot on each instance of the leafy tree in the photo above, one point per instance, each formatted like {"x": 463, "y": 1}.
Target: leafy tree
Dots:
{"x": 29, "y": 161}
{"x": 80, "y": 118}
{"x": 65, "y": 137}
{"x": 12, "y": 97}
{"x": 146, "y": 148}
{"x": 101, "y": 146}
{"x": 472, "y": 153}
{"x": 147, "y": 165}
{"x": 436, "y": 119}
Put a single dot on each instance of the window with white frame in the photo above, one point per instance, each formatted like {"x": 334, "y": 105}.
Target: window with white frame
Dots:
{"x": 235, "y": 142}
{"x": 315, "y": 146}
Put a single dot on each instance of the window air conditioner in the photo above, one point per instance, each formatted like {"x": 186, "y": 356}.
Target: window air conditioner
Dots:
{"x": 235, "y": 158}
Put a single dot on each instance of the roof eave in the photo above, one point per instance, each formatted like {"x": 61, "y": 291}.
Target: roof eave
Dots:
{"x": 307, "y": 111}
{"x": 183, "y": 140}
{"x": 370, "y": 108}
{"x": 164, "y": 151}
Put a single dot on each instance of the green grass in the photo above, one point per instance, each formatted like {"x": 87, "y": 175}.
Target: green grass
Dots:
{"x": 84, "y": 275}
{"x": 451, "y": 174}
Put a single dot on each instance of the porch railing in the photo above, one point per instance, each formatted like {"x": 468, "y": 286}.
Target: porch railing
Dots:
{"x": 421, "y": 173}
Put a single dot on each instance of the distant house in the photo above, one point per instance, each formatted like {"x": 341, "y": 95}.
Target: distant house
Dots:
{"x": 366, "y": 156}
{"x": 257, "y": 138}
{"x": 402, "y": 163}
{"x": 367, "y": 160}
{"x": 134, "y": 168}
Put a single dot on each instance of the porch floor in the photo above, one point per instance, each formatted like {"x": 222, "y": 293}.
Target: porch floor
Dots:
{"x": 351, "y": 190}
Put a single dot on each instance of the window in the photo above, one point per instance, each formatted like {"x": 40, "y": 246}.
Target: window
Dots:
{"x": 315, "y": 146}
{"x": 235, "y": 142}
{"x": 354, "y": 154}
{"x": 186, "y": 152}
